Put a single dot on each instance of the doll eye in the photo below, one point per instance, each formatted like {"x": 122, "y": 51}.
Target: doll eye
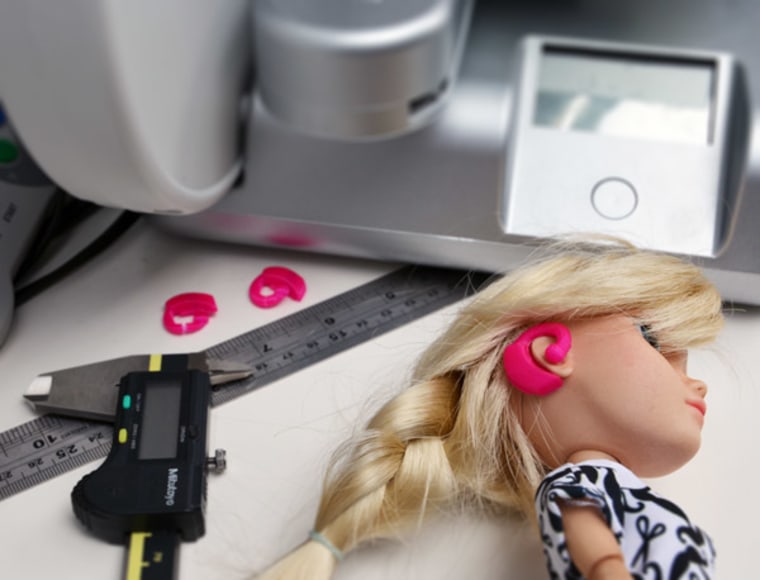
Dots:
{"x": 649, "y": 336}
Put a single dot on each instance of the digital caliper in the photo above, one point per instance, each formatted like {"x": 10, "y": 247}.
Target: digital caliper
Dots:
{"x": 151, "y": 489}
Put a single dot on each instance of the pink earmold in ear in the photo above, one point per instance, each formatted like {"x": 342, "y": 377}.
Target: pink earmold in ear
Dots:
{"x": 523, "y": 372}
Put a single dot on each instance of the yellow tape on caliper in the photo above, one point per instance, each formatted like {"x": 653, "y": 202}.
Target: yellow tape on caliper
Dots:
{"x": 135, "y": 560}
{"x": 152, "y": 556}
{"x": 155, "y": 363}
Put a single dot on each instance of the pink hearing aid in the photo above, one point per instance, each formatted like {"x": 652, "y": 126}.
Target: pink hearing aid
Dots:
{"x": 281, "y": 281}
{"x": 197, "y": 305}
{"x": 523, "y": 372}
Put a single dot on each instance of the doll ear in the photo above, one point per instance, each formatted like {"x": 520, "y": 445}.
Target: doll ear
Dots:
{"x": 532, "y": 376}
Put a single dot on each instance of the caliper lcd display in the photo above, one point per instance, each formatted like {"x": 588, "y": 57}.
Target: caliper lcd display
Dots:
{"x": 159, "y": 430}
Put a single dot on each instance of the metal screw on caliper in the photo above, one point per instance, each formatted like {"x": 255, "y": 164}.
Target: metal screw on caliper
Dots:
{"x": 217, "y": 463}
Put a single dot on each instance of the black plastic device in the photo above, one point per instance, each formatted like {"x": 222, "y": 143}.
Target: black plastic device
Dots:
{"x": 154, "y": 478}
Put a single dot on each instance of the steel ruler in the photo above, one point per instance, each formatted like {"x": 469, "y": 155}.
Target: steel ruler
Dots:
{"x": 50, "y": 445}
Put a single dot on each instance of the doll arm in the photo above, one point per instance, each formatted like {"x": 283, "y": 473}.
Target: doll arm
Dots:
{"x": 591, "y": 543}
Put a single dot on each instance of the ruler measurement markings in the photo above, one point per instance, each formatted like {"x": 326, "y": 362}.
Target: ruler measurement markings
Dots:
{"x": 51, "y": 446}
{"x": 325, "y": 335}
{"x": 270, "y": 368}
{"x": 41, "y": 447}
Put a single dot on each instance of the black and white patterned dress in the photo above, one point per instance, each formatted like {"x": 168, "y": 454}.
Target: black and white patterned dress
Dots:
{"x": 657, "y": 539}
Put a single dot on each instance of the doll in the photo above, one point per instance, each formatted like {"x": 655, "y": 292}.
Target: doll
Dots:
{"x": 553, "y": 390}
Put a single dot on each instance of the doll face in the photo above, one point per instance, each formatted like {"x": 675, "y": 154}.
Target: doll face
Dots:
{"x": 622, "y": 399}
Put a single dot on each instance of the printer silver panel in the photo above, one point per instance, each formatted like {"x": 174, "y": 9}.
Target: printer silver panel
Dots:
{"x": 434, "y": 195}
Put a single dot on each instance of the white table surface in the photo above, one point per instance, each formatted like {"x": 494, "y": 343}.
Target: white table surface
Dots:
{"x": 279, "y": 438}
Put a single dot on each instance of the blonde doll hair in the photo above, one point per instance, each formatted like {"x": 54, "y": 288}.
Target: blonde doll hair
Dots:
{"x": 452, "y": 436}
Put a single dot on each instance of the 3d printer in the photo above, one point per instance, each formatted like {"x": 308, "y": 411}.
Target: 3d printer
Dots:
{"x": 452, "y": 132}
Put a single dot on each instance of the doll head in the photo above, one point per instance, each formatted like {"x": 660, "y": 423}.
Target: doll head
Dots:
{"x": 461, "y": 433}
{"x": 620, "y": 398}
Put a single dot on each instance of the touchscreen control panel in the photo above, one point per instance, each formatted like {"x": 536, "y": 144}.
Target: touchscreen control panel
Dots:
{"x": 635, "y": 141}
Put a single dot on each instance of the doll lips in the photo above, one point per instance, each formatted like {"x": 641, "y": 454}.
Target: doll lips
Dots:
{"x": 700, "y": 406}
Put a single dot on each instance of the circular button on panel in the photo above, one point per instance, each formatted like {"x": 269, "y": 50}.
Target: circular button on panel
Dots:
{"x": 614, "y": 198}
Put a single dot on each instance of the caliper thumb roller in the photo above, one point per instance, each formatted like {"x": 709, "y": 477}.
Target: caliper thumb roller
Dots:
{"x": 150, "y": 491}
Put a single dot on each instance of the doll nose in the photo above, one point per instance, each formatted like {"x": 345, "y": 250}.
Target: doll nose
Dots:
{"x": 699, "y": 387}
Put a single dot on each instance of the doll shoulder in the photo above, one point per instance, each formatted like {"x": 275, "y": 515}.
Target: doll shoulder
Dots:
{"x": 651, "y": 530}
{"x": 600, "y": 483}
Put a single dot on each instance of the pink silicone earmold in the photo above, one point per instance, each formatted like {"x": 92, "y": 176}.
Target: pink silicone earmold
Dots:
{"x": 523, "y": 372}
{"x": 282, "y": 282}
{"x": 198, "y": 305}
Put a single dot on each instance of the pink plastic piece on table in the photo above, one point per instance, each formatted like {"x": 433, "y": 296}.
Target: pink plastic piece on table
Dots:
{"x": 195, "y": 305}
{"x": 282, "y": 282}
